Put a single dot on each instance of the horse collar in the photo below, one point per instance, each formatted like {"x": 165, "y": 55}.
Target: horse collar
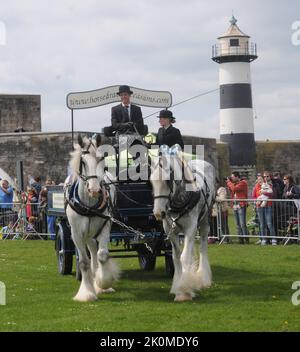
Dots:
{"x": 72, "y": 198}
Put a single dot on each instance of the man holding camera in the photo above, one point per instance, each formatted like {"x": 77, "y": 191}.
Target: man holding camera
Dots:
{"x": 238, "y": 191}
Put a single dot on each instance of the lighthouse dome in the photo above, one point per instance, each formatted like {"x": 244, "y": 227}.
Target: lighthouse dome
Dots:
{"x": 234, "y": 45}
{"x": 233, "y": 30}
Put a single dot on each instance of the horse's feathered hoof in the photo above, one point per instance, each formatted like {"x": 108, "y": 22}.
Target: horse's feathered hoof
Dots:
{"x": 100, "y": 291}
{"x": 109, "y": 290}
{"x": 183, "y": 297}
{"x": 85, "y": 298}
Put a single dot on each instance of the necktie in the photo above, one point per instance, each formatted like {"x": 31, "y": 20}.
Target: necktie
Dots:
{"x": 127, "y": 111}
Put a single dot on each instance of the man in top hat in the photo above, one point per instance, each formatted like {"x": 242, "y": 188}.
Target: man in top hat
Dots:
{"x": 168, "y": 134}
{"x": 126, "y": 115}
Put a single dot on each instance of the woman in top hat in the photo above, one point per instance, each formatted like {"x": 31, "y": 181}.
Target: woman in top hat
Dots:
{"x": 168, "y": 134}
{"x": 126, "y": 115}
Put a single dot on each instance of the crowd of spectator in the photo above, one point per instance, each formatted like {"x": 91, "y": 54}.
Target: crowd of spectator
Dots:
{"x": 272, "y": 215}
{"x": 32, "y": 217}
{"x": 268, "y": 189}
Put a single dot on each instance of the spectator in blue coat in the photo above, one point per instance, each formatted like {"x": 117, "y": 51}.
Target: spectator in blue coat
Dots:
{"x": 35, "y": 182}
{"x": 6, "y": 195}
{"x": 6, "y": 199}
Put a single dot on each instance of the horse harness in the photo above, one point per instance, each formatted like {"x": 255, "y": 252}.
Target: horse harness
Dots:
{"x": 181, "y": 207}
{"x": 73, "y": 200}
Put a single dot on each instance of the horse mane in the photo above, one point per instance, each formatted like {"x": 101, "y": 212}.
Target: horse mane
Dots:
{"x": 77, "y": 152}
{"x": 185, "y": 171}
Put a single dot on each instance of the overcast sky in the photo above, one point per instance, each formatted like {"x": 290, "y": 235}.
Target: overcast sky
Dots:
{"x": 60, "y": 46}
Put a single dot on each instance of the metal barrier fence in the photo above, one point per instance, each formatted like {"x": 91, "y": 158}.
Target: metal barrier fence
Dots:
{"x": 24, "y": 221}
{"x": 30, "y": 221}
{"x": 276, "y": 223}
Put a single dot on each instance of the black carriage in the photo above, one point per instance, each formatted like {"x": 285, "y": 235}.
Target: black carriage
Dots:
{"x": 134, "y": 200}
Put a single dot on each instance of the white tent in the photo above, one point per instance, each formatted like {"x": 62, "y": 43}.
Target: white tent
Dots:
{"x": 5, "y": 176}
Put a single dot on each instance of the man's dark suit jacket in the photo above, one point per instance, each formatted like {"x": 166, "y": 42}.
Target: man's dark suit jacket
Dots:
{"x": 169, "y": 136}
{"x": 119, "y": 117}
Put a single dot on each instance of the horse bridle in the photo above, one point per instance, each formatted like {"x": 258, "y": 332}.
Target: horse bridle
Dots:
{"x": 163, "y": 195}
{"x": 170, "y": 184}
{"x": 83, "y": 177}
{"x": 86, "y": 178}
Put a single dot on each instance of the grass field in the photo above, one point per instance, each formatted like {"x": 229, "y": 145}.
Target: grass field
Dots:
{"x": 251, "y": 292}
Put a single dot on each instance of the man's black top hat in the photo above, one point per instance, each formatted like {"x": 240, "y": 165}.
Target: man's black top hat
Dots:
{"x": 124, "y": 89}
{"x": 166, "y": 114}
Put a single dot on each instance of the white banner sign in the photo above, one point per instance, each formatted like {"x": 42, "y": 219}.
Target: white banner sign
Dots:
{"x": 107, "y": 95}
{"x": 58, "y": 200}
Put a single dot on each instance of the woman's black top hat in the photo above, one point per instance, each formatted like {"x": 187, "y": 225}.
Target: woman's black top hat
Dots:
{"x": 124, "y": 89}
{"x": 166, "y": 114}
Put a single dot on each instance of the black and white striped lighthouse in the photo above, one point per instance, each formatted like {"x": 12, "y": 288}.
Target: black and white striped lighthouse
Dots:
{"x": 234, "y": 53}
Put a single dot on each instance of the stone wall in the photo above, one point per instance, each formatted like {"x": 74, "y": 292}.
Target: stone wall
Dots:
{"x": 20, "y": 111}
{"x": 43, "y": 154}
{"x": 47, "y": 154}
{"x": 210, "y": 148}
{"x": 223, "y": 160}
{"x": 282, "y": 156}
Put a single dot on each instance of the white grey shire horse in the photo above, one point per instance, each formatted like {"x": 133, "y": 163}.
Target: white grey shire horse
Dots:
{"x": 183, "y": 211}
{"x": 88, "y": 214}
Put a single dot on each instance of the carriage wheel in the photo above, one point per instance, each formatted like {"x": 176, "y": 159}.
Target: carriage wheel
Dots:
{"x": 64, "y": 259}
{"x": 147, "y": 261}
{"x": 169, "y": 265}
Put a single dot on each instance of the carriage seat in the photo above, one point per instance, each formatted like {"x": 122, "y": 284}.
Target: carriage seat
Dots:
{"x": 109, "y": 131}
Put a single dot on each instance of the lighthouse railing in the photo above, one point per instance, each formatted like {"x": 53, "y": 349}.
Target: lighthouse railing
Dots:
{"x": 225, "y": 50}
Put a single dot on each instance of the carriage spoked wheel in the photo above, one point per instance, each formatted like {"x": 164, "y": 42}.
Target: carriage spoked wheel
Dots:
{"x": 64, "y": 258}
